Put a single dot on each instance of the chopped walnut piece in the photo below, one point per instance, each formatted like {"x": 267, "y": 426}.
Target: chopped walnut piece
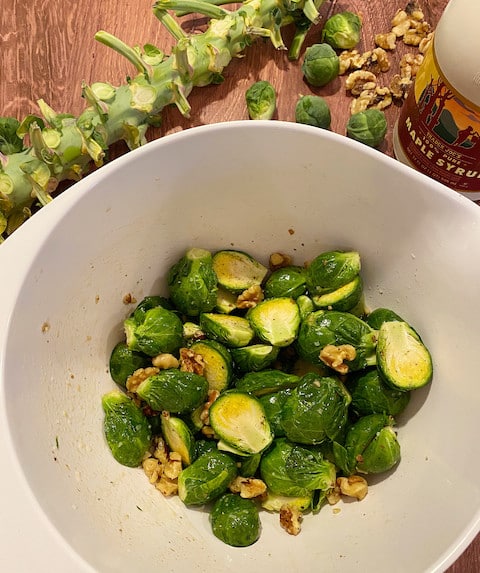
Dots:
{"x": 425, "y": 43}
{"x": 376, "y": 61}
{"x": 152, "y": 469}
{"x": 135, "y": 379}
{"x": 346, "y": 59}
{"x": 191, "y": 362}
{"x": 291, "y": 519}
{"x": 162, "y": 468}
{"x": 378, "y": 98}
{"x": 212, "y": 396}
{"x": 167, "y": 486}
{"x": 359, "y": 81}
{"x": 165, "y": 361}
{"x": 334, "y": 495}
{"x": 279, "y": 260}
{"x": 409, "y": 65}
{"x": 250, "y": 297}
{"x": 334, "y": 356}
{"x": 353, "y": 486}
{"x": 161, "y": 451}
{"x": 173, "y": 467}
{"x": 387, "y": 41}
{"x": 248, "y": 487}
{"x": 399, "y": 86}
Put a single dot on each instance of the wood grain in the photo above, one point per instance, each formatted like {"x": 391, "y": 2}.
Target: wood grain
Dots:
{"x": 48, "y": 49}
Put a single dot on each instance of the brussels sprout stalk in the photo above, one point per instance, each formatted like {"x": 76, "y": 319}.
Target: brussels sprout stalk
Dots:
{"x": 61, "y": 146}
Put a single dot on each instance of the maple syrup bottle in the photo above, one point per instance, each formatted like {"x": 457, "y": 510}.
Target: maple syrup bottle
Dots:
{"x": 438, "y": 131}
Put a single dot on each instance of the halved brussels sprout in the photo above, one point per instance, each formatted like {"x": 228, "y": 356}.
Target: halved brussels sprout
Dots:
{"x": 178, "y": 437}
{"x": 174, "y": 391}
{"x": 237, "y": 271}
{"x": 370, "y": 395}
{"x": 273, "y": 405}
{"x": 192, "y": 331}
{"x": 239, "y": 420}
{"x": 316, "y": 410}
{"x": 193, "y": 283}
{"x": 266, "y": 382}
{"x": 254, "y": 357}
{"x": 343, "y": 298}
{"x": 157, "y": 330}
{"x": 403, "y": 360}
{"x": 126, "y": 429}
{"x": 233, "y": 331}
{"x": 218, "y": 364}
{"x": 123, "y": 363}
{"x": 226, "y": 301}
{"x": 286, "y": 282}
{"x": 235, "y": 520}
{"x": 275, "y": 321}
{"x": 377, "y": 317}
{"x": 206, "y": 478}
{"x": 331, "y": 270}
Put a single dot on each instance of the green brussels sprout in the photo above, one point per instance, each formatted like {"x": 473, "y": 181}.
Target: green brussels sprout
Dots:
{"x": 233, "y": 331}
{"x": 342, "y": 31}
{"x": 370, "y": 395}
{"x": 286, "y": 282}
{"x": 316, "y": 410}
{"x": 273, "y": 405}
{"x": 404, "y": 362}
{"x": 266, "y": 382}
{"x": 235, "y": 520}
{"x": 126, "y": 429}
{"x": 160, "y": 330}
{"x": 237, "y": 271}
{"x": 310, "y": 470}
{"x": 123, "y": 363}
{"x": 334, "y": 328}
{"x": 249, "y": 465}
{"x": 343, "y": 298}
{"x": 275, "y": 321}
{"x": 226, "y": 301}
{"x": 192, "y": 331}
{"x": 174, "y": 391}
{"x": 178, "y": 437}
{"x": 206, "y": 478}
{"x": 239, "y": 420}
{"x": 320, "y": 65}
{"x": 193, "y": 283}
{"x": 150, "y": 302}
{"x": 205, "y": 447}
{"x": 254, "y": 357}
{"x": 261, "y": 100}
{"x": 381, "y": 315}
{"x": 368, "y": 127}
{"x": 371, "y": 446}
{"x": 305, "y": 305}
{"x": 332, "y": 270}
{"x": 275, "y": 502}
{"x": 217, "y": 361}
{"x": 313, "y": 110}
{"x": 273, "y": 471}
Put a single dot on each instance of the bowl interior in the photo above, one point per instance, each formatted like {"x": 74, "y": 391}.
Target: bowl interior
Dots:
{"x": 260, "y": 188}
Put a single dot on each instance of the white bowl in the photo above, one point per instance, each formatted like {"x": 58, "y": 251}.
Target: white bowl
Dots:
{"x": 260, "y": 187}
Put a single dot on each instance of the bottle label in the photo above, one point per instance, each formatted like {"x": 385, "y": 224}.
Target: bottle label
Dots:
{"x": 439, "y": 130}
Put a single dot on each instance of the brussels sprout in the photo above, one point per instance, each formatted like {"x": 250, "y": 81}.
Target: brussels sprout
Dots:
{"x": 235, "y": 520}
{"x": 368, "y": 127}
{"x": 343, "y": 298}
{"x": 178, "y": 437}
{"x": 273, "y": 405}
{"x": 174, "y": 391}
{"x": 239, "y": 420}
{"x": 371, "y": 446}
{"x": 275, "y": 502}
{"x": 206, "y": 478}
{"x": 308, "y": 468}
{"x": 286, "y": 282}
{"x": 273, "y": 471}
{"x": 205, "y": 447}
{"x": 160, "y": 330}
{"x": 126, "y": 429}
{"x": 192, "y": 331}
{"x": 305, "y": 305}
{"x": 370, "y": 395}
{"x": 249, "y": 465}
{"x": 381, "y": 315}
{"x": 150, "y": 302}
{"x": 255, "y": 357}
{"x": 342, "y": 31}
{"x": 316, "y": 410}
{"x": 193, "y": 283}
{"x": 261, "y": 100}
{"x": 123, "y": 363}
{"x": 233, "y": 331}
{"x": 313, "y": 110}
{"x": 218, "y": 363}
{"x": 332, "y": 270}
{"x": 320, "y": 65}
{"x": 226, "y": 301}
{"x": 403, "y": 360}
{"x": 334, "y": 328}
{"x": 275, "y": 321}
{"x": 237, "y": 271}
{"x": 266, "y": 382}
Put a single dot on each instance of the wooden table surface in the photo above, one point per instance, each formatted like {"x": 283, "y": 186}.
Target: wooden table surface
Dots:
{"x": 48, "y": 49}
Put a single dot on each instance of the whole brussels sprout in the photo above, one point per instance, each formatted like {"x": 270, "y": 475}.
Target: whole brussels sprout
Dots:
{"x": 273, "y": 470}
{"x": 158, "y": 330}
{"x": 235, "y": 520}
{"x": 123, "y": 363}
{"x": 266, "y": 382}
{"x": 149, "y": 302}
{"x": 286, "y": 282}
{"x": 331, "y": 270}
{"x": 261, "y": 100}
{"x": 370, "y": 395}
{"x": 313, "y": 110}
{"x": 320, "y": 65}
{"x": 342, "y": 31}
{"x": 273, "y": 405}
{"x": 368, "y": 127}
